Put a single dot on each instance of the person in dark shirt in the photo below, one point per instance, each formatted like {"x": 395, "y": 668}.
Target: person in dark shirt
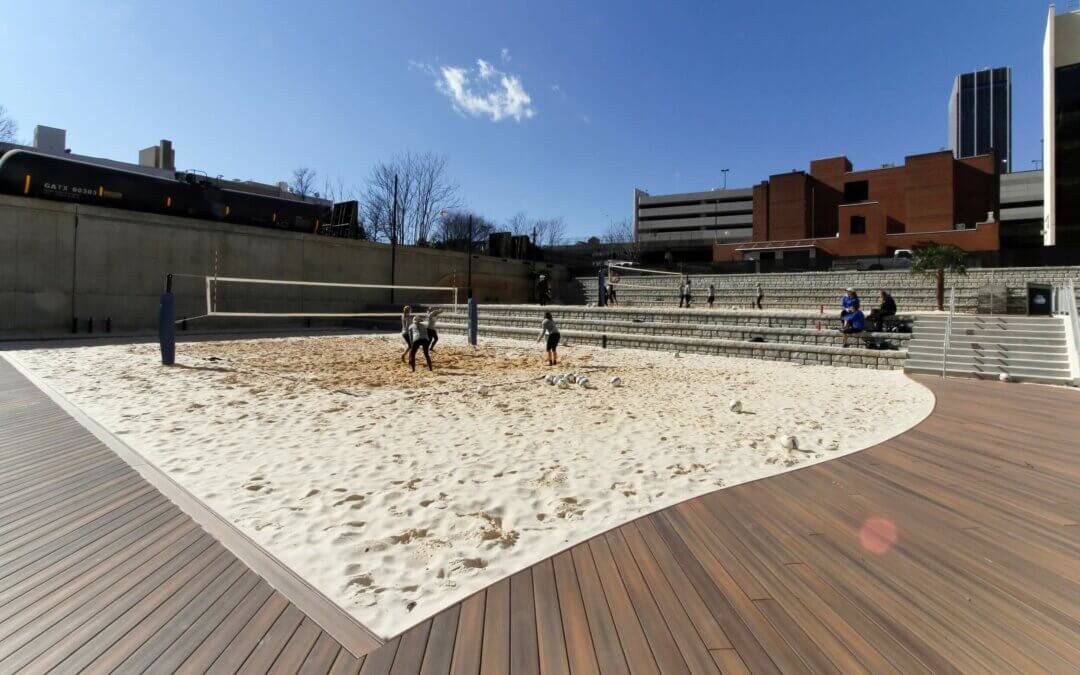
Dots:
{"x": 685, "y": 292}
{"x": 549, "y": 329}
{"x": 854, "y": 323}
{"x": 760, "y": 296}
{"x": 880, "y": 313}
{"x": 849, "y": 303}
{"x": 543, "y": 290}
{"x": 712, "y": 295}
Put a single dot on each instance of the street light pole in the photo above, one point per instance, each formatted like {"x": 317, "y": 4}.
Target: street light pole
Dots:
{"x": 724, "y": 173}
{"x": 470, "y": 255}
{"x": 393, "y": 240}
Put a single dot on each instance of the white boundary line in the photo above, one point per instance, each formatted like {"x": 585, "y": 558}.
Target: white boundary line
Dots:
{"x": 302, "y": 314}
{"x": 357, "y": 638}
{"x": 642, "y": 269}
{"x": 286, "y": 282}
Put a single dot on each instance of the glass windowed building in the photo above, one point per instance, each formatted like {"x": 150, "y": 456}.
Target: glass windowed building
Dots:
{"x": 980, "y": 115}
{"x": 1061, "y": 129}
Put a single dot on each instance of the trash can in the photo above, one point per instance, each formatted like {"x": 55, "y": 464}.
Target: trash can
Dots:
{"x": 1040, "y": 299}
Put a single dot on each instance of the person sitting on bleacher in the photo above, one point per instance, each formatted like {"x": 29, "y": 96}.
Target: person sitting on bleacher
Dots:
{"x": 887, "y": 309}
{"x": 854, "y": 323}
{"x": 849, "y": 303}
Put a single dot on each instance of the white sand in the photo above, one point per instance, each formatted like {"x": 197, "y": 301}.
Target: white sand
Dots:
{"x": 396, "y": 503}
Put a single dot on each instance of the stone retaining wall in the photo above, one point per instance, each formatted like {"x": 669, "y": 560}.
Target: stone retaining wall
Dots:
{"x": 805, "y": 354}
{"x": 828, "y": 335}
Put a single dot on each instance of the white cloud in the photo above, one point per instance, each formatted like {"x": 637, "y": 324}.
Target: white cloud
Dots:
{"x": 556, "y": 89}
{"x": 505, "y": 55}
{"x": 484, "y": 91}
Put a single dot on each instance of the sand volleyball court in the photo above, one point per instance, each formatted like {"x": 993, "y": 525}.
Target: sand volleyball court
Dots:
{"x": 397, "y": 494}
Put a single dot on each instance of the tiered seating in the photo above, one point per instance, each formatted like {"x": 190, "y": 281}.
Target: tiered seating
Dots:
{"x": 792, "y": 291}
{"x": 799, "y": 336}
{"x": 811, "y": 290}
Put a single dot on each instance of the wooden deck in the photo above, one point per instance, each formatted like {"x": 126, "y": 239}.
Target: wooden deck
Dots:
{"x": 100, "y": 572}
{"x": 953, "y": 548}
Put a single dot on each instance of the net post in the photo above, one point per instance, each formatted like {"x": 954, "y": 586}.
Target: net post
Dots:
{"x": 474, "y": 321}
{"x": 167, "y": 324}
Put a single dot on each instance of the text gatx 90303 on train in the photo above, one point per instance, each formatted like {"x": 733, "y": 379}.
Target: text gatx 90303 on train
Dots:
{"x": 33, "y": 174}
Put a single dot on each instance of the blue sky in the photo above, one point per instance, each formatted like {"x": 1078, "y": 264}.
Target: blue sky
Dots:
{"x": 620, "y": 95}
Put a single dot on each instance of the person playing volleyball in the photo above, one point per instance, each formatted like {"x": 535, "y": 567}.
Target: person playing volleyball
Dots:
{"x": 552, "y": 331}
{"x": 418, "y": 338}
{"x": 433, "y": 335}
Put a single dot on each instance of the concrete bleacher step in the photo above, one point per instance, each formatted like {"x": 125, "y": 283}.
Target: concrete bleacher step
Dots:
{"x": 999, "y": 360}
{"x": 1022, "y": 344}
{"x": 737, "y": 332}
{"x": 1034, "y": 375}
{"x": 809, "y": 354}
{"x": 995, "y": 352}
{"x": 1029, "y": 349}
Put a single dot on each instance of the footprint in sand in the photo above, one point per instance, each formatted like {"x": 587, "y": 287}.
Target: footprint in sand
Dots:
{"x": 350, "y": 498}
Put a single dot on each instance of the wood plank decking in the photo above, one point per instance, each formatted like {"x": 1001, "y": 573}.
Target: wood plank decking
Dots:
{"x": 952, "y": 548}
{"x": 99, "y": 572}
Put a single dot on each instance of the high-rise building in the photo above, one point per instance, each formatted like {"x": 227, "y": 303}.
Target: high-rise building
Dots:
{"x": 980, "y": 115}
{"x": 1061, "y": 129}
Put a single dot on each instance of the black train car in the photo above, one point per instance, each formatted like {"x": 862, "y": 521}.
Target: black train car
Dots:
{"x": 42, "y": 176}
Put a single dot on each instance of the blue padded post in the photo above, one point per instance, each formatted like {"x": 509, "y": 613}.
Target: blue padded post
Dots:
{"x": 474, "y": 321}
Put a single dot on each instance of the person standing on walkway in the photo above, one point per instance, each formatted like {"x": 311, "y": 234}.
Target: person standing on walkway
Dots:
{"x": 760, "y": 296}
{"x": 712, "y": 295}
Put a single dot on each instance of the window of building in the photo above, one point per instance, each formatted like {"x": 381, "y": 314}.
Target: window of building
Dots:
{"x": 858, "y": 225}
{"x": 894, "y": 227}
{"x": 856, "y": 191}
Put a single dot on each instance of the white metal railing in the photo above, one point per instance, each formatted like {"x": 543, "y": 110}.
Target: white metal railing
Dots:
{"x": 948, "y": 329}
{"x": 1065, "y": 303}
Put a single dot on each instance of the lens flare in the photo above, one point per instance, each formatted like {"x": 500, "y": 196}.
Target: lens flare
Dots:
{"x": 878, "y": 535}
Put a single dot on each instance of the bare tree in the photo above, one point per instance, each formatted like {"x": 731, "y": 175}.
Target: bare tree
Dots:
{"x": 303, "y": 181}
{"x": 549, "y": 231}
{"x": 453, "y": 230}
{"x": 520, "y": 224}
{"x": 336, "y": 191}
{"x": 8, "y": 126}
{"x": 542, "y": 231}
{"x": 620, "y": 234}
{"x": 424, "y": 191}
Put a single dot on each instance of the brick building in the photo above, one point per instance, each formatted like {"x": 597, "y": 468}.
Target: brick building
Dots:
{"x": 838, "y": 212}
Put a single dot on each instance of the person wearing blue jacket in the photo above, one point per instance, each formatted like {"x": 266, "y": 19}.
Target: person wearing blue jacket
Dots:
{"x": 855, "y": 322}
{"x": 849, "y": 303}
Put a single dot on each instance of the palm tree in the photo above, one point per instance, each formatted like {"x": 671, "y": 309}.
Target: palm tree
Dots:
{"x": 934, "y": 260}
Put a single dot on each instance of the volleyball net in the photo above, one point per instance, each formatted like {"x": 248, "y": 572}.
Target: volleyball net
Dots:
{"x": 199, "y": 297}
{"x": 275, "y": 298}
{"x": 645, "y": 284}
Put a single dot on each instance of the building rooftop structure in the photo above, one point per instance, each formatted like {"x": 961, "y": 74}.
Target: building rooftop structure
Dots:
{"x": 836, "y": 211}
{"x": 157, "y": 160}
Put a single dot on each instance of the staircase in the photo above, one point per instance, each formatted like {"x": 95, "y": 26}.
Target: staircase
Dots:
{"x": 1028, "y": 349}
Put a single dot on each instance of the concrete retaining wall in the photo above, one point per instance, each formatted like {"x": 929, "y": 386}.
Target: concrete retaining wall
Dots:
{"x": 59, "y": 261}
{"x": 806, "y": 354}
